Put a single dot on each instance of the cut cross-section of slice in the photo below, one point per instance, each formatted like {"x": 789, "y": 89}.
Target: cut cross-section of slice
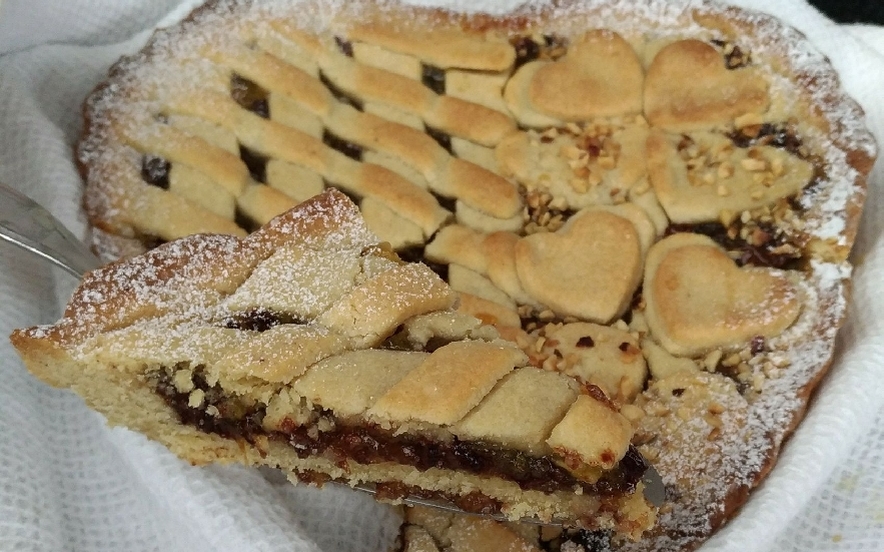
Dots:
{"x": 310, "y": 347}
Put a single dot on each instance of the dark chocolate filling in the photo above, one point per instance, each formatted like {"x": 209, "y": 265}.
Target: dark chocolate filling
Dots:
{"x": 237, "y": 419}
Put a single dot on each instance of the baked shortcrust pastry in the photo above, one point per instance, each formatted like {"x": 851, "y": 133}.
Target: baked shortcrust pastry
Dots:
{"x": 309, "y": 346}
{"x": 653, "y": 198}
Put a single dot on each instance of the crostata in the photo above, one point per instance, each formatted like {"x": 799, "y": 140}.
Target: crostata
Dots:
{"x": 634, "y": 219}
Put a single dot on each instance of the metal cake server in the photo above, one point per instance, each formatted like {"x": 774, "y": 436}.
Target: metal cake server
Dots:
{"x": 23, "y": 222}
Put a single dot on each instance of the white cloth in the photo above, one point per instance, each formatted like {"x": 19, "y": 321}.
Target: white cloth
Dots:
{"x": 69, "y": 483}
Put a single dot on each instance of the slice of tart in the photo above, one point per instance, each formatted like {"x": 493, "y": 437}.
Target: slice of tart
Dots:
{"x": 309, "y": 346}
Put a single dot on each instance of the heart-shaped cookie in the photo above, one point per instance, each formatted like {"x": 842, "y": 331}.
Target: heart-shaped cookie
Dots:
{"x": 737, "y": 180}
{"x": 589, "y": 268}
{"x": 688, "y": 86}
{"x": 601, "y": 76}
{"x": 697, "y": 299}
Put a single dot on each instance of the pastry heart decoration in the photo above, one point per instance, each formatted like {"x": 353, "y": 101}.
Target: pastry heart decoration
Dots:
{"x": 745, "y": 179}
{"x": 600, "y": 76}
{"x": 589, "y": 268}
{"x": 688, "y": 86}
{"x": 697, "y": 299}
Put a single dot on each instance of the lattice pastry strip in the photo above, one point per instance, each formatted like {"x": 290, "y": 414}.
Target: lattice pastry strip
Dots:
{"x": 288, "y": 144}
{"x": 176, "y": 146}
{"x": 444, "y": 49}
{"x": 290, "y": 90}
{"x": 454, "y": 178}
{"x": 376, "y": 56}
{"x": 157, "y": 213}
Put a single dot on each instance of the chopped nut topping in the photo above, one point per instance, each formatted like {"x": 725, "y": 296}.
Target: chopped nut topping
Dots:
{"x": 196, "y": 398}
{"x": 753, "y": 165}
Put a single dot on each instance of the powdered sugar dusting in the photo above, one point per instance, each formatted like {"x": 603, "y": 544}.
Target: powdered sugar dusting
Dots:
{"x": 752, "y": 425}
{"x": 140, "y": 84}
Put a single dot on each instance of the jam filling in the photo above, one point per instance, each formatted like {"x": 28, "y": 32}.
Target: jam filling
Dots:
{"x": 255, "y": 162}
{"x": 244, "y": 221}
{"x": 239, "y": 419}
{"x": 589, "y": 541}
{"x": 344, "y": 45}
{"x": 155, "y": 171}
{"x": 767, "y": 134}
{"x": 351, "y": 150}
{"x": 340, "y": 94}
{"x": 258, "y": 320}
{"x": 526, "y": 50}
{"x": 734, "y": 56}
{"x": 433, "y": 78}
{"x": 440, "y": 137}
{"x": 250, "y": 96}
{"x": 766, "y": 254}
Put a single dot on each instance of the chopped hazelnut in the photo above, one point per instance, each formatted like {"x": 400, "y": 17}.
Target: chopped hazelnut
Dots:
{"x": 726, "y": 217}
{"x": 573, "y": 152}
{"x": 753, "y": 165}
{"x": 607, "y": 162}
{"x": 748, "y": 119}
{"x": 731, "y": 360}
{"x": 710, "y": 362}
{"x": 196, "y": 398}
{"x": 713, "y": 420}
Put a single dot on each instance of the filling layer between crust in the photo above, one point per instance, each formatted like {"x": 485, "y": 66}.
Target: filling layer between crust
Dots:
{"x": 232, "y": 417}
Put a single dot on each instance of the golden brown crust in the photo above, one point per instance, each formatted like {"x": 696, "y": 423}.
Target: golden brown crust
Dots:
{"x": 688, "y": 87}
